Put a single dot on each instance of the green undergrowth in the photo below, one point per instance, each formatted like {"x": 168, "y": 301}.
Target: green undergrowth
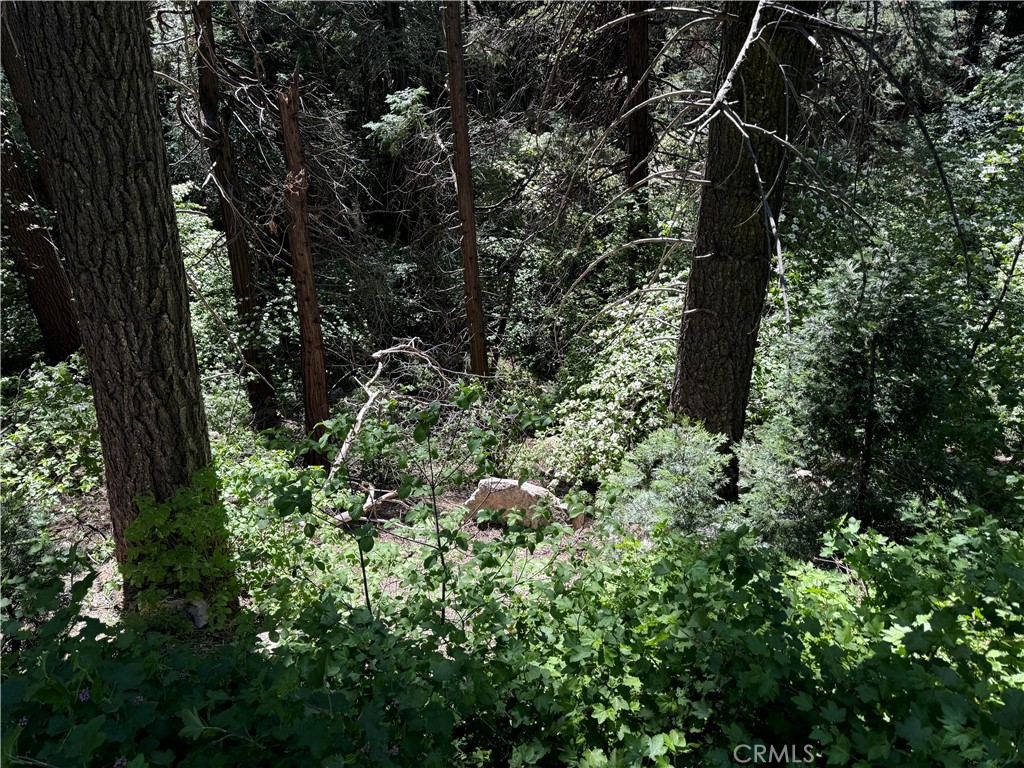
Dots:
{"x": 668, "y": 634}
{"x": 605, "y": 653}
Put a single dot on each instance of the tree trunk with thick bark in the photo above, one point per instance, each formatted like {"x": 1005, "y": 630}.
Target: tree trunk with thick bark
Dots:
{"x": 91, "y": 71}
{"x": 21, "y": 91}
{"x": 735, "y": 240}
{"x": 259, "y": 387}
{"x": 314, "y": 370}
{"x": 36, "y": 259}
{"x": 464, "y": 190}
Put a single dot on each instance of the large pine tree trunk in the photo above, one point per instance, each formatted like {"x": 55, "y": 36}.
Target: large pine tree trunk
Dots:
{"x": 734, "y": 247}
{"x": 314, "y": 371}
{"x": 259, "y": 387}
{"x": 36, "y": 259}
{"x": 464, "y": 190}
{"x": 91, "y": 72}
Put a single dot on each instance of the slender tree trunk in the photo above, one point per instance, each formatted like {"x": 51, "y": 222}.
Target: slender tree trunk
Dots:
{"x": 259, "y": 387}
{"x": 36, "y": 259}
{"x": 91, "y": 71}
{"x": 464, "y": 190}
{"x": 314, "y": 371}
{"x": 638, "y": 129}
{"x": 21, "y": 90}
{"x": 638, "y": 61}
{"x": 867, "y": 449}
{"x": 734, "y": 248}
{"x": 394, "y": 28}
{"x": 976, "y": 36}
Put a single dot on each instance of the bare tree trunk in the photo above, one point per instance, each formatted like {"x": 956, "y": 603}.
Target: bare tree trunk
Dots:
{"x": 21, "y": 90}
{"x": 215, "y": 138}
{"x": 91, "y": 71}
{"x": 464, "y": 190}
{"x": 36, "y": 259}
{"x": 314, "y": 371}
{"x": 394, "y": 28}
{"x": 983, "y": 12}
{"x": 638, "y": 61}
{"x": 868, "y": 446}
{"x": 735, "y": 242}
{"x": 638, "y": 130}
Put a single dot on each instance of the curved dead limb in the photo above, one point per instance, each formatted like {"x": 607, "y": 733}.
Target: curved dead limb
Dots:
{"x": 408, "y": 348}
{"x": 611, "y": 252}
{"x": 650, "y": 12}
{"x": 346, "y": 446}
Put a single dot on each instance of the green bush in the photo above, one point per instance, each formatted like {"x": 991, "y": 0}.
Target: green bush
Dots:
{"x": 884, "y": 404}
{"x": 617, "y": 386}
{"x": 671, "y": 478}
{"x": 20, "y": 337}
{"x": 599, "y": 654}
{"x": 51, "y": 447}
{"x": 179, "y": 549}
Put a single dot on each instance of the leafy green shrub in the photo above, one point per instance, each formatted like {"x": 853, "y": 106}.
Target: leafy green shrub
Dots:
{"x": 617, "y": 391}
{"x": 20, "y": 337}
{"x": 179, "y": 548}
{"x": 671, "y": 478}
{"x": 403, "y": 118}
{"x": 31, "y": 574}
{"x": 587, "y": 655}
{"x": 886, "y": 404}
{"x": 51, "y": 448}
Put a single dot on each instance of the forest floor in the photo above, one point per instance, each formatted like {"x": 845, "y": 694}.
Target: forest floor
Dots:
{"x": 87, "y": 525}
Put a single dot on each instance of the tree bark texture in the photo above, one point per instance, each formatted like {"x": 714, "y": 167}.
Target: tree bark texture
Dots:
{"x": 91, "y": 71}
{"x": 464, "y": 190}
{"x": 314, "y": 371}
{"x": 259, "y": 386}
{"x": 734, "y": 245}
{"x": 36, "y": 259}
{"x": 21, "y": 90}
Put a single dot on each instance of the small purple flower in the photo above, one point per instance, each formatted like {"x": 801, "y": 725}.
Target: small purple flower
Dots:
{"x": 121, "y": 762}
{"x": 138, "y": 700}
{"x": 83, "y": 695}
{"x": 22, "y": 721}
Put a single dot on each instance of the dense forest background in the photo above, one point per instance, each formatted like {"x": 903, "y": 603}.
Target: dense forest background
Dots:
{"x": 737, "y": 285}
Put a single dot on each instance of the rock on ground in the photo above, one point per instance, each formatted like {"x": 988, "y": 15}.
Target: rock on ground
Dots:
{"x": 535, "y": 502}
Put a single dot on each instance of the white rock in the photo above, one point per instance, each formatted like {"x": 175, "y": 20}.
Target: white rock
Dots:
{"x": 535, "y": 502}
